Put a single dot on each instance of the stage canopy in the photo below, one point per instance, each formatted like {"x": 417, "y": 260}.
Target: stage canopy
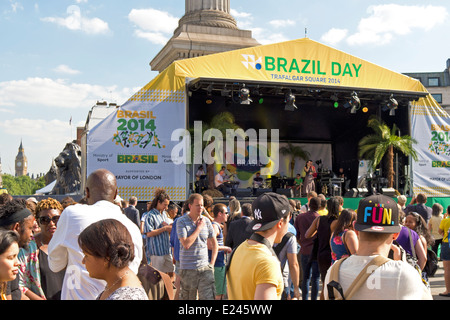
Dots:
{"x": 137, "y": 141}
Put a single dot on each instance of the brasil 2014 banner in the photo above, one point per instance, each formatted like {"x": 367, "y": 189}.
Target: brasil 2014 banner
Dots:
{"x": 135, "y": 144}
{"x": 431, "y": 129}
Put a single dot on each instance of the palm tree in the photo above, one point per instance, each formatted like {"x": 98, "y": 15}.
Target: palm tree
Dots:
{"x": 294, "y": 152}
{"x": 383, "y": 142}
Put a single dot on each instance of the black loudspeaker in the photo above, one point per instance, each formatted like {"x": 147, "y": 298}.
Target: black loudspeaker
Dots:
{"x": 362, "y": 192}
{"x": 243, "y": 193}
{"x": 390, "y": 192}
{"x": 287, "y": 192}
{"x": 260, "y": 191}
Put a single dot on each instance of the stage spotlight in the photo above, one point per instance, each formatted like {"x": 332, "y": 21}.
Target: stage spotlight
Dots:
{"x": 225, "y": 92}
{"x": 257, "y": 94}
{"x": 354, "y": 103}
{"x": 392, "y": 105}
{"x": 289, "y": 99}
{"x": 244, "y": 95}
{"x": 334, "y": 97}
{"x": 209, "y": 94}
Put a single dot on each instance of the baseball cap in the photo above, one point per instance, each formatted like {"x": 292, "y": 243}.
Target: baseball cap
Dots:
{"x": 268, "y": 209}
{"x": 378, "y": 213}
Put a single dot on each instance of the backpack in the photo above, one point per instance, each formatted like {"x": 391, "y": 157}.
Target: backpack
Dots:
{"x": 432, "y": 263}
{"x": 334, "y": 287}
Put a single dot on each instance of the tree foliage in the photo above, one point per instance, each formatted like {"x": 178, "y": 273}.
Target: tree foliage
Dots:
{"x": 383, "y": 143}
{"x": 22, "y": 186}
{"x": 294, "y": 152}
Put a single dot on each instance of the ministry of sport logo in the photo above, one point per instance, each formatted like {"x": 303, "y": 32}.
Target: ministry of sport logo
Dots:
{"x": 251, "y": 61}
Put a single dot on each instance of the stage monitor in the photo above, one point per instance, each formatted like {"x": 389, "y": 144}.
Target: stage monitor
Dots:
{"x": 362, "y": 192}
{"x": 287, "y": 192}
{"x": 390, "y": 192}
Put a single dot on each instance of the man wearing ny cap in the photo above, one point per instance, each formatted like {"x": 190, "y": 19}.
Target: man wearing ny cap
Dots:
{"x": 377, "y": 226}
{"x": 254, "y": 272}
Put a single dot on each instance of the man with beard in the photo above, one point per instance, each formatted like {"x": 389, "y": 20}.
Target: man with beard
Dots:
{"x": 15, "y": 216}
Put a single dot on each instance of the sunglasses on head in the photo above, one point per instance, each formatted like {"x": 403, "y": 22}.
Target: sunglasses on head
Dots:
{"x": 46, "y": 220}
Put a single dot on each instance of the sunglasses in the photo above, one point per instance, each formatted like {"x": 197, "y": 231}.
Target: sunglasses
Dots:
{"x": 46, "y": 220}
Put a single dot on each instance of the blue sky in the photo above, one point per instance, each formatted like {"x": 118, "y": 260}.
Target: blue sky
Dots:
{"x": 58, "y": 57}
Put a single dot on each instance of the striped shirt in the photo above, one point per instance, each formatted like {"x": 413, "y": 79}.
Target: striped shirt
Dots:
{"x": 158, "y": 245}
{"x": 196, "y": 256}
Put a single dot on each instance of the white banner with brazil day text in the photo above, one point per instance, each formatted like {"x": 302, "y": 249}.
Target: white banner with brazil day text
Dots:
{"x": 431, "y": 173}
{"x": 135, "y": 144}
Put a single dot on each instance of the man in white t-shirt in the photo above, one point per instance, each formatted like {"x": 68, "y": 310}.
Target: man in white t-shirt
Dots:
{"x": 220, "y": 183}
{"x": 377, "y": 226}
{"x": 64, "y": 252}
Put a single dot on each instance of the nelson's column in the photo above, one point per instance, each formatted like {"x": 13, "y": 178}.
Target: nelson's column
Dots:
{"x": 207, "y": 27}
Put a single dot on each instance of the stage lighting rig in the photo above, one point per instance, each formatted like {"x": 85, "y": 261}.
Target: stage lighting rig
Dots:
{"x": 392, "y": 105}
{"x": 289, "y": 99}
{"x": 354, "y": 103}
{"x": 244, "y": 95}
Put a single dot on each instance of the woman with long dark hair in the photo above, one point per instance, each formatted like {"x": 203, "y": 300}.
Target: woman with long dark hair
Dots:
{"x": 324, "y": 226}
{"x": 344, "y": 241}
{"x": 9, "y": 264}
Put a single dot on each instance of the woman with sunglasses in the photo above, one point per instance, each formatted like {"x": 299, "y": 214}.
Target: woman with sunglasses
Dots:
{"x": 36, "y": 279}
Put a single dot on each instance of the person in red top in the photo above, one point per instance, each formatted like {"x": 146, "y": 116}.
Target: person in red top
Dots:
{"x": 308, "y": 262}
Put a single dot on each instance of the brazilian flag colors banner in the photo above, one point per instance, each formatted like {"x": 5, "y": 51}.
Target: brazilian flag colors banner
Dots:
{"x": 431, "y": 128}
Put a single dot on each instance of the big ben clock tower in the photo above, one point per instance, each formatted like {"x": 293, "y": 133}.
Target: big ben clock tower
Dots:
{"x": 21, "y": 162}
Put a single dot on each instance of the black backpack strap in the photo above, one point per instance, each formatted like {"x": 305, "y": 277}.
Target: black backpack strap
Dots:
{"x": 283, "y": 242}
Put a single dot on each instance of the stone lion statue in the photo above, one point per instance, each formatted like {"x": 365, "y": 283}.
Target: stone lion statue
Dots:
{"x": 68, "y": 170}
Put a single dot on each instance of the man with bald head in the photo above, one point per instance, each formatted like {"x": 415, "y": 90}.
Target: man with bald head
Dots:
{"x": 64, "y": 252}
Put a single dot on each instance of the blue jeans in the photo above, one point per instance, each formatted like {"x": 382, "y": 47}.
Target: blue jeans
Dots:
{"x": 311, "y": 275}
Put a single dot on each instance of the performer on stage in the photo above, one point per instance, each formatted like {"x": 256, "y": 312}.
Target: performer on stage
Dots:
{"x": 200, "y": 173}
{"x": 221, "y": 184}
{"x": 257, "y": 182}
{"x": 298, "y": 182}
{"x": 308, "y": 174}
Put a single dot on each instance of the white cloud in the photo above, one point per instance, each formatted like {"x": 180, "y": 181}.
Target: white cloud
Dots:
{"x": 50, "y": 129}
{"x": 75, "y": 21}
{"x": 153, "y": 37}
{"x": 62, "y": 68}
{"x": 16, "y": 6}
{"x": 263, "y": 36}
{"x": 388, "y": 21}
{"x": 334, "y": 36}
{"x": 153, "y": 25}
{"x": 40, "y": 148}
{"x": 240, "y": 15}
{"x": 45, "y": 92}
{"x": 282, "y": 23}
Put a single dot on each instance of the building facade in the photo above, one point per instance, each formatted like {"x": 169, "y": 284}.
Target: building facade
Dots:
{"x": 206, "y": 28}
{"x": 437, "y": 84}
{"x": 21, "y": 162}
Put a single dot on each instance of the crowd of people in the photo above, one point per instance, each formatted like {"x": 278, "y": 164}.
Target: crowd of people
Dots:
{"x": 273, "y": 248}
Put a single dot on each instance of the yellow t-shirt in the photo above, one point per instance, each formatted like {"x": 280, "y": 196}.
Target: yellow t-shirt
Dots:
{"x": 445, "y": 225}
{"x": 253, "y": 265}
